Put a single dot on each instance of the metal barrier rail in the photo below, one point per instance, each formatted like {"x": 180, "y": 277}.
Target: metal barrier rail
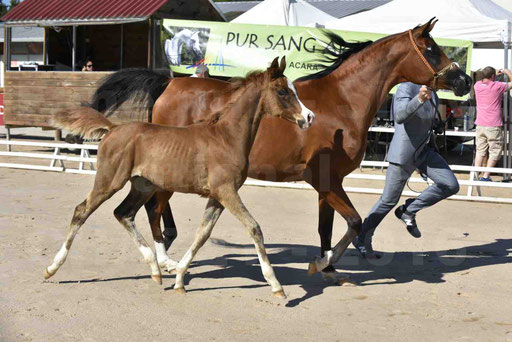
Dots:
{"x": 84, "y": 158}
{"x": 55, "y": 157}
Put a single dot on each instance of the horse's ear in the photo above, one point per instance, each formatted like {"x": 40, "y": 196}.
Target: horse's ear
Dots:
{"x": 282, "y": 65}
{"x": 275, "y": 63}
{"x": 425, "y": 29}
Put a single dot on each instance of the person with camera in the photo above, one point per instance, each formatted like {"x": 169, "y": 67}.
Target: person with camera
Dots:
{"x": 89, "y": 65}
{"x": 489, "y": 122}
{"x": 414, "y": 112}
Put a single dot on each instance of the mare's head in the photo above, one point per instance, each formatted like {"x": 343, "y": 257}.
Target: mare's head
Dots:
{"x": 427, "y": 64}
{"x": 280, "y": 98}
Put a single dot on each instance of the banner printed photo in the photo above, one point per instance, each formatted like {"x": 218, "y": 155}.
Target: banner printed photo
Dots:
{"x": 236, "y": 49}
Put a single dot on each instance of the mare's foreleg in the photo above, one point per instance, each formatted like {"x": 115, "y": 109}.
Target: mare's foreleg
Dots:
{"x": 337, "y": 198}
{"x": 211, "y": 215}
{"x": 140, "y": 193}
{"x": 155, "y": 208}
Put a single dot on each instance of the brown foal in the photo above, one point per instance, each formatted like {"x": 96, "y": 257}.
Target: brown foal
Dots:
{"x": 209, "y": 159}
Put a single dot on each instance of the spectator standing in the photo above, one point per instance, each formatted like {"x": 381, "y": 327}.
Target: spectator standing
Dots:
{"x": 489, "y": 122}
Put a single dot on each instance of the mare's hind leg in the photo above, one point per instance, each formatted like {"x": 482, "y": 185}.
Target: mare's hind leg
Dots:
{"x": 140, "y": 193}
{"x": 231, "y": 200}
{"x": 82, "y": 211}
{"x": 155, "y": 207}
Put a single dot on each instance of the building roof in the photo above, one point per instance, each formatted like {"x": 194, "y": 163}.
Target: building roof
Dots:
{"x": 24, "y": 34}
{"x": 73, "y": 12}
{"x": 336, "y": 8}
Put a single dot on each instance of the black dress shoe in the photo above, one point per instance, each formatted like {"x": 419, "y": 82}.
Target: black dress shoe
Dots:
{"x": 365, "y": 249}
{"x": 409, "y": 220}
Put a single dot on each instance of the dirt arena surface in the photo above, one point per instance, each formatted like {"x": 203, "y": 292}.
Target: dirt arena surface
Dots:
{"x": 453, "y": 284}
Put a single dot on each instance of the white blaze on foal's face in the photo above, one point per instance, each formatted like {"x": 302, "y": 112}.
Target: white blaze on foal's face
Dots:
{"x": 306, "y": 113}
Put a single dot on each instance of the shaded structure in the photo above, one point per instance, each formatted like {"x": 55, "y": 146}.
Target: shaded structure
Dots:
{"x": 116, "y": 34}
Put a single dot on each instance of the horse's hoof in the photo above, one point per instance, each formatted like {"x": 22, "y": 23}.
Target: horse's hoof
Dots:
{"x": 337, "y": 278}
{"x": 157, "y": 278}
{"x": 279, "y": 294}
{"x": 180, "y": 290}
{"x": 47, "y": 274}
{"x": 312, "y": 268}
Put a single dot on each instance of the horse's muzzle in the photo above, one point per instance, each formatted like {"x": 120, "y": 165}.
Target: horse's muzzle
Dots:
{"x": 306, "y": 122}
{"x": 459, "y": 82}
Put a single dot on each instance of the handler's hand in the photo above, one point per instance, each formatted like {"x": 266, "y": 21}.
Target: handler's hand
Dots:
{"x": 425, "y": 94}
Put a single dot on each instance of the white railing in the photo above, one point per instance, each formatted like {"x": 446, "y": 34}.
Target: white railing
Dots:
{"x": 54, "y": 158}
{"x": 85, "y": 159}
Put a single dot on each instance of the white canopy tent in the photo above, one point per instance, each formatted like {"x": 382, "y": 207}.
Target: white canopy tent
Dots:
{"x": 483, "y": 22}
{"x": 480, "y": 21}
{"x": 284, "y": 12}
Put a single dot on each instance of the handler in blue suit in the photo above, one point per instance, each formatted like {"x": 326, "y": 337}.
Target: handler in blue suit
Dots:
{"x": 414, "y": 117}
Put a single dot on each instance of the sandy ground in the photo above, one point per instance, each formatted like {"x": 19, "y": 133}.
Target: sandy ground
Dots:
{"x": 452, "y": 284}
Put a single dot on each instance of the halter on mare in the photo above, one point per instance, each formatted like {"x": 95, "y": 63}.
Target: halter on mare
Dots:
{"x": 424, "y": 60}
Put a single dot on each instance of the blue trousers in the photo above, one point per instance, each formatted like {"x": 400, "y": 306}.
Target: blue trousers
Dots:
{"x": 434, "y": 166}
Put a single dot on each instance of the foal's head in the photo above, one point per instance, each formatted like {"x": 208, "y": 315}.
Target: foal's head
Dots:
{"x": 427, "y": 64}
{"x": 280, "y": 98}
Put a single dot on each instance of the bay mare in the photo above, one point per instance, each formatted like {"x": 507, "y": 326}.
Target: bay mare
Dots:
{"x": 209, "y": 159}
{"x": 344, "y": 97}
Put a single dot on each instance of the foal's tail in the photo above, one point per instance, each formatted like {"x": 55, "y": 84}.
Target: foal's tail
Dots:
{"x": 141, "y": 86}
{"x": 85, "y": 122}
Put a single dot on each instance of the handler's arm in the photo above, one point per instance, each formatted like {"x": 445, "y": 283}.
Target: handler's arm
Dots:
{"x": 405, "y": 104}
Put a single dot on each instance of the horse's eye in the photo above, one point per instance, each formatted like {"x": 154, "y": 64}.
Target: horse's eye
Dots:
{"x": 282, "y": 92}
{"x": 431, "y": 50}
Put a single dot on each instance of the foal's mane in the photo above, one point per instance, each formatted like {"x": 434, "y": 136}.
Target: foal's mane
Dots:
{"x": 331, "y": 59}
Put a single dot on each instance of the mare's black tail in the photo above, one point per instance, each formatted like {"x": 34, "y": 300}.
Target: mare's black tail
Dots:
{"x": 141, "y": 86}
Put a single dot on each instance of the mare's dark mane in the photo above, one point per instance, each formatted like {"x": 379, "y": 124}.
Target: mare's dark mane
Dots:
{"x": 331, "y": 58}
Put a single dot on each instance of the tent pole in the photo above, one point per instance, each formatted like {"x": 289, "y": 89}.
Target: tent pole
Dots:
{"x": 505, "y": 111}
{"x": 507, "y": 129}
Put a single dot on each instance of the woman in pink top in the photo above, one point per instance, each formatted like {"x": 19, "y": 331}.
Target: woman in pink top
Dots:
{"x": 489, "y": 135}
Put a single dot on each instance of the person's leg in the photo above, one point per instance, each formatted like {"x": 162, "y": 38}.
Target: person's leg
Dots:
{"x": 482, "y": 147}
{"x": 445, "y": 183}
{"x": 495, "y": 139}
{"x": 396, "y": 177}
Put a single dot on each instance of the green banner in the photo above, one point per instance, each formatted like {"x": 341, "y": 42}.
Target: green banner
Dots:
{"x": 235, "y": 49}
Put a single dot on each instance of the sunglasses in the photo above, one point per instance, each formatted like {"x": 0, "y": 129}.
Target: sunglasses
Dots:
{"x": 89, "y": 65}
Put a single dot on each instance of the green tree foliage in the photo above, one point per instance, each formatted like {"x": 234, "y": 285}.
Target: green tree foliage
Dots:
{"x": 6, "y": 8}
{"x": 3, "y": 9}
{"x": 13, "y": 3}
